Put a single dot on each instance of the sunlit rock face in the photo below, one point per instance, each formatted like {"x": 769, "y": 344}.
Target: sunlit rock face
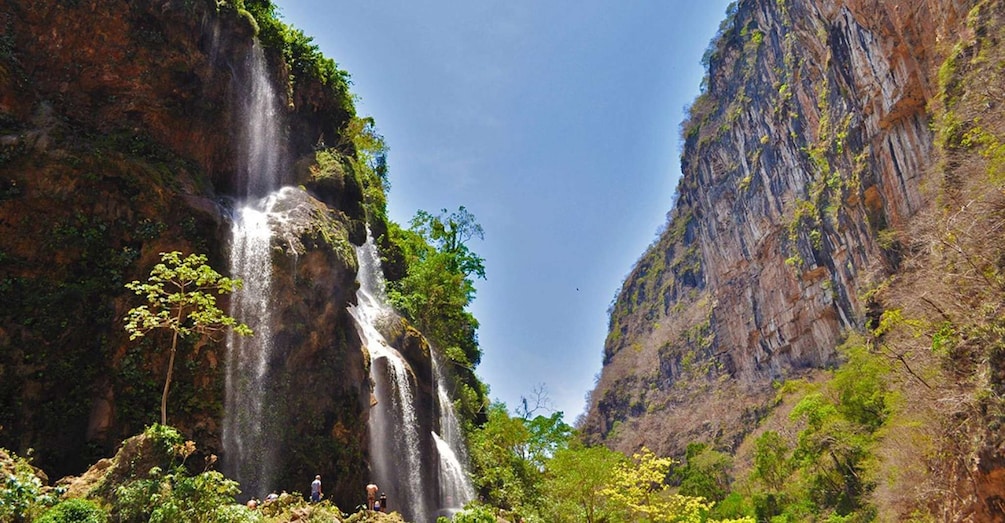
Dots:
{"x": 316, "y": 388}
{"x": 811, "y": 141}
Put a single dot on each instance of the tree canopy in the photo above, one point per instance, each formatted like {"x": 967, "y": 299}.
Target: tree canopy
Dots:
{"x": 436, "y": 291}
{"x": 181, "y": 297}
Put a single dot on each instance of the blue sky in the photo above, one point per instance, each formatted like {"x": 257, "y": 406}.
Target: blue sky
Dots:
{"x": 554, "y": 123}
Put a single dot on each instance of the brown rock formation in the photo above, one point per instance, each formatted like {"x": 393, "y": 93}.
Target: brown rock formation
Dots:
{"x": 810, "y": 142}
{"x": 117, "y": 143}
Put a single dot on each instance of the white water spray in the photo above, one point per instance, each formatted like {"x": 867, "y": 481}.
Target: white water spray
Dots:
{"x": 456, "y": 489}
{"x": 249, "y": 456}
{"x": 393, "y": 425}
{"x": 455, "y": 485}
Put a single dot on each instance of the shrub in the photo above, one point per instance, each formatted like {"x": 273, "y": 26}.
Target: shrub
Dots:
{"x": 22, "y": 494}
{"x": 475, "y": 515}
{"x": 74, "y": 511}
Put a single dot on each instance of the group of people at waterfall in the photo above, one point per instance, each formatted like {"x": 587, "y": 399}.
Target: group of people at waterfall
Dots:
{"x": 373, "y": 502}
{"x": 254, "y": 503}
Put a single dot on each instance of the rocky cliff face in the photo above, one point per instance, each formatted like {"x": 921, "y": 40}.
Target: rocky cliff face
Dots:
{"x": 810, "y": 143}
{"x": 117, "y": 142}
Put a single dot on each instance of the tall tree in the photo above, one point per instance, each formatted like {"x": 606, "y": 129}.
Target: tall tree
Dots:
{"x": 180, "y": 296}
{"x": 576, "y": 478}
{"x": 450, "y": 234}
{"x": 438, "y": 287}
{"x": 503, "y": 477}
{"x": 638, "y": 492}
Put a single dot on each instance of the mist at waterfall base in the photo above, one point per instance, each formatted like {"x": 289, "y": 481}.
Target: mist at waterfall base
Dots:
{"x": 419, "y": 464}
{"x": 397, "y": 437}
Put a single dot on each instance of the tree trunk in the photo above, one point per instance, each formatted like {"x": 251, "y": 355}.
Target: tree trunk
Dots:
{"x": 167, "y": 381}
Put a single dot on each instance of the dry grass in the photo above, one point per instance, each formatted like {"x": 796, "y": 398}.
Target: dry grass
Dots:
{"x": 941, "y": 452}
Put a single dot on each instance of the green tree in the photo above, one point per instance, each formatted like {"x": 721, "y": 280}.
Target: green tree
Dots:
{"x": 771, "y": 463}
{"x": 502, "y": 476}
{"x": 450, "y": 234}
{"x": 436, "y": 291}
{"x": 576, "y": 478}
{"x": 705, "y": 473}
{"x": 862, "y": 387}
{"x": 74, "y": 510}
{"x": 841, "y": 425}
{"x": 547, "y": 435}
{"x": 480, "y": 514}
{"x": 180, "y": 295}
{"x": 438, "y": 285}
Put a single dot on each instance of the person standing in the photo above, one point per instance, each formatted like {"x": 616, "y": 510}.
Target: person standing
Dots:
{"x": 316, "y": 493}
{"x": 371, "y": 495}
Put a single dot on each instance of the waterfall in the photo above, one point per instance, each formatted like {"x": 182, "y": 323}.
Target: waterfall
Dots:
{"x": 248, "y": 453}
{"x": 259, "y": 151}
{"x": 401, "y": 453}
{"x": 456, "y": 489}
{"x": 396, "y": 448}
{"x": 394, "y": 437}
{"x": 455, "y": 486}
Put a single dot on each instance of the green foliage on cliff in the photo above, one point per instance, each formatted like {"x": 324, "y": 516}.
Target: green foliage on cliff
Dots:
{"x": 298, "y": 50}
{"x": 705, "y": 472}
{"x": 825, "y": 464}
{"x": 437, "y": 290}
{"x": 832, "y": 450}
{"x": 369, "y": 163}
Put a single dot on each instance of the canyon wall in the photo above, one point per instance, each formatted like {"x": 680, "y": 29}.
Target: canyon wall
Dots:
{"x": 118, "y": 129}
{"x": 809, "y": 144}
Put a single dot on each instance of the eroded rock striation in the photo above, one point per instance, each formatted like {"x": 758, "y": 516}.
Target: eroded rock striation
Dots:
{"x": 810, "y": 142}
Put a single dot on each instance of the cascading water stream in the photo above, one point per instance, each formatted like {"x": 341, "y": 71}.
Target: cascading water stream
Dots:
{"x": 394, "y": 438}
{"x": 248, "y": 456}
{"x": 455, "y": 486}
{"x": 401, "y": 454}
{"x": 456, "y": 489}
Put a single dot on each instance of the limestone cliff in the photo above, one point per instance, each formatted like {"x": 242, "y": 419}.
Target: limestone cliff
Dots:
{"x": 118, "y": 128}
{"x": 810, "y": 143}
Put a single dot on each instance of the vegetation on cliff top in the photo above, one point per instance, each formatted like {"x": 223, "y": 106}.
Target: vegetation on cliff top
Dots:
{"x": 301, "y": 55}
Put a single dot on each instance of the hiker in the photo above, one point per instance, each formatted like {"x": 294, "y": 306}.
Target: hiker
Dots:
{"x": 371, "y": 495}
{"x": 316, "y": 493}
{"x": 383, "y": 502}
